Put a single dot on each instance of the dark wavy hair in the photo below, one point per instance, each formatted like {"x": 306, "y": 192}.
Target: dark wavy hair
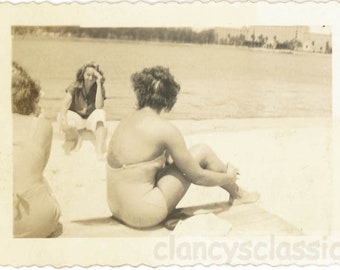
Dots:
{"x": 25, "y": 91}
{"x": 156, "y": 88}
{"x": 81, "y": 71}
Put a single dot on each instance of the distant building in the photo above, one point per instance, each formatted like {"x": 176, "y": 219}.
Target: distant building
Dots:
{"x": 317, "y": 43}
{"x": 271, "y": 36}
{"x": 279, "y": 33}
{"x": 223, "y": 35}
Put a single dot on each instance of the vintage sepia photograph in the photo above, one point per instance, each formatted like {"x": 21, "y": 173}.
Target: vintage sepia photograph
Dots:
{"x": 138, "y": 132}
{"x": 169, "y": 135}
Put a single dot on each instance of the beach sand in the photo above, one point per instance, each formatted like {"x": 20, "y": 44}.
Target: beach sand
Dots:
{"x": 288, "y": 161}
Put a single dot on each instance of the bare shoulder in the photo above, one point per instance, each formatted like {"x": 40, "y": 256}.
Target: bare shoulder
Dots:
{"x": 169, "y": 131}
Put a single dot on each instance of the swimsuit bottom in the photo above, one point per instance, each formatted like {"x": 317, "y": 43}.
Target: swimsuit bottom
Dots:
{"x": 133, "y": 196}
{"x": 36, "y": 212}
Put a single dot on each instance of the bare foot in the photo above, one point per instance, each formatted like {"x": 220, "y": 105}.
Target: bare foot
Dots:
{"x": 244, "y": 197}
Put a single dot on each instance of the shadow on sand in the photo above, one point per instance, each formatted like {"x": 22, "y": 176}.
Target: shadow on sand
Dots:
{"x": 171, "y": 221}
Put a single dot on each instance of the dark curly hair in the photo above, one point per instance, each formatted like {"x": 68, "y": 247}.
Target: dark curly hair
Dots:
{"x": 81, "y": 71}
{"x": 156, "y": 88}
{"x": 25, "y": 91}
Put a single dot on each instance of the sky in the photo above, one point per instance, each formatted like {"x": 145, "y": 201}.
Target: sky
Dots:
{"x": 321, "y": 29}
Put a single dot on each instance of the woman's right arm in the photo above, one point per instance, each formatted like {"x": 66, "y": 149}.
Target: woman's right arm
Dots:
{"x": 185, "y": 162}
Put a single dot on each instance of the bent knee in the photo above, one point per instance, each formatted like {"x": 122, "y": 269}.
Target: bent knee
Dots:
{"x": 98, "y": 115}
{"x": 200, "y": 150}
{"x": 99, "y": 112}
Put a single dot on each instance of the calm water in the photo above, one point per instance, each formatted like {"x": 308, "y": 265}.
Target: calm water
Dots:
{"x": 216, "y": 81}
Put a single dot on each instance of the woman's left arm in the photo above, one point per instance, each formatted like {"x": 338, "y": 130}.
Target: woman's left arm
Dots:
{"x": 99, "y": 95}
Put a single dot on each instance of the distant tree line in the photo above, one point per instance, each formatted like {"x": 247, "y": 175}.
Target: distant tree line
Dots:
{"x": 180, "y": 35}
{"x": 161, "y": 34}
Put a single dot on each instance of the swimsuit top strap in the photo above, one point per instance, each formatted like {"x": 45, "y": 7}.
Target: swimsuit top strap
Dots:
{"x": 161, "y": 159}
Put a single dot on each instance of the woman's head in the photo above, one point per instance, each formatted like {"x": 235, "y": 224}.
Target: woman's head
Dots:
{"x": 25, "y": 92}
{"x": 86, "y": 73}
{"x": 155, "y": 88}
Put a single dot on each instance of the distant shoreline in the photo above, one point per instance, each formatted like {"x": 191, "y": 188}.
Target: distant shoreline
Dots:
{"x": 166, "y": 43}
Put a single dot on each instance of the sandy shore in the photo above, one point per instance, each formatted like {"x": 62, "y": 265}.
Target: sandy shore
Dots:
{"x": 288, "y": 161}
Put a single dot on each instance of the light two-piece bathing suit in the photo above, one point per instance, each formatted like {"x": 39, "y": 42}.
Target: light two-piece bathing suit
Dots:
{"x": 133, "y": 196}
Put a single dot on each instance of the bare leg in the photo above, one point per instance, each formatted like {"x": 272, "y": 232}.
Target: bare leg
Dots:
{"x": 100, "y": 141}
{"x": 79, "y": 143}
{"x": 207, "y": 158}
{"x": 174, "y": 185}
{"x": 210, "y": 161}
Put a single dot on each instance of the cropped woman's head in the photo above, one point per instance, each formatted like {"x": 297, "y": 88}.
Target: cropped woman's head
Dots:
{"x": 25, "y": 91}
{"x": 156, "y": 88}
{"x": 83, "y": 69}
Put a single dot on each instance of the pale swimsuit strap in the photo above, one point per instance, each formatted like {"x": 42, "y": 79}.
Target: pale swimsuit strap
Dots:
{"x": 160, "y": 159}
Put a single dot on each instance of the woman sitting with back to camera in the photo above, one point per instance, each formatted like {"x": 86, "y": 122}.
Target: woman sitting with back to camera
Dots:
{"x": 36, "y": 212}
{"x": 142, "y": 187}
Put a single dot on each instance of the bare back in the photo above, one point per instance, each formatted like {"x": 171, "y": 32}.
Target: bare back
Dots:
{"x": 145, "y": 135}
{"x": 137, "y": 139}
{"x": 31, "y": 148}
